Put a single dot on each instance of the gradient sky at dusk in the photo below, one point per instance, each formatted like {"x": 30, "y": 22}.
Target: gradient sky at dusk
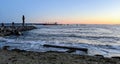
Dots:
{"x": 61, "y": 11}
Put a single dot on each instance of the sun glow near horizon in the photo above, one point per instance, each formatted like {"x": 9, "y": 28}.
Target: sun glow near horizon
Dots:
{"x": 82, "y": 21}
{"x": 106, "y": 17}
{"x": 61, "y": 11}
{"x": 90, "y": 22}
{"x": 115, "y": 19}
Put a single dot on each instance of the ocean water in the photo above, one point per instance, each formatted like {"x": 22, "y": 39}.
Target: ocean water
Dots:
{"x": 98, "y": 39}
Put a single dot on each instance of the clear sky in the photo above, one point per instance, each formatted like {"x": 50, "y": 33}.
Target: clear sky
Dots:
{"x": 61, "y": 11}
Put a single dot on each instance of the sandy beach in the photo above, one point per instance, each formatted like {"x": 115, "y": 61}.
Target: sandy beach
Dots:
{"x": 27, "y": 57}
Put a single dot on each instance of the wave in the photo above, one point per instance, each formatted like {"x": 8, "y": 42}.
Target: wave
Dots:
{"x": 38, "y": 46}
{"x": 78, "y": 36}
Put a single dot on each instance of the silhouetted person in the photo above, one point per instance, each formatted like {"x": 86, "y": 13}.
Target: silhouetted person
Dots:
{"x": 13, "y": 24}
{"x": 2, "y": 27}
{"x": 23, "y": 18}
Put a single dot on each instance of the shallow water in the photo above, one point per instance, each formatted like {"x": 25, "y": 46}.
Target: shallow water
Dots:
{"x": 99, "y": 39}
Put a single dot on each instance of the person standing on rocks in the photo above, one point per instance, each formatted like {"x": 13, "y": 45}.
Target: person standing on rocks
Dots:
{"x": 2, "y": 27}
{"x": 13, "y": 24}
{"x": 23, "y": 18}
{"x": 13, "y": 27}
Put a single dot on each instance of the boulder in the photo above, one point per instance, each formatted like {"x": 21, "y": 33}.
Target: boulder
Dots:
{"x": 5, "y": 47}
{"x": 70, "y": 50}
{"x": 100, "y": 56}
{"x": 116, "y": 57}
{"x": 18, "y": 50}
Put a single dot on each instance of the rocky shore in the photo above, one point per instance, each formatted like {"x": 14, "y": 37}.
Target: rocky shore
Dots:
{"x": 17, "y": 56}
{"x": 14, "y": 30}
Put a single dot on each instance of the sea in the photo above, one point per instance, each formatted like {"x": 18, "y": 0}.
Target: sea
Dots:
{"x": 98, "y": 39}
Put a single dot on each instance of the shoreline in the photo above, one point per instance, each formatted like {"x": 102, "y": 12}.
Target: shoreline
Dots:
{"x": 17, "y": 56}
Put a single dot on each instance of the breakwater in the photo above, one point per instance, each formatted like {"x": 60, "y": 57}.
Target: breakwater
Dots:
{"x": 14, "y": 30}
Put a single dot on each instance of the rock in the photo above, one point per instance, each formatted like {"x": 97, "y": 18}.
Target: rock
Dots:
{"x": 17, "y": 33}
{"x": 54, "y": 52}
{"x": 6, "y": 47}
{"x": 9, "y": 30}
{"x": 71, "y": 50}
{"x": 100, "y": 56}
{"x": 66, "y": 47}
{"x": 18, "y": 50}
{"x": 116, "y": 57}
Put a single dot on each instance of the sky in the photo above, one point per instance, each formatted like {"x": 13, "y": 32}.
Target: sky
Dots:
{"x": 61, "y": 11}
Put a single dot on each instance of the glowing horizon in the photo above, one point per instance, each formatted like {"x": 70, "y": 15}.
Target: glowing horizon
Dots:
{"x": 61, "y": 11}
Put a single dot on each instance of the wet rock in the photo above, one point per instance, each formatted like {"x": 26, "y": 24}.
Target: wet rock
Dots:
{"x": 65, "y": 47}
{"x": 18, "y": 50}
{"x": 116, "y": 57}
{"x": 9, "y": 30}
{"x": 100, "y": 56}
{"x": 17, "y": 33}
{"x": 71, "y": 50}
{"x": 6, "y": 47}
{"x": 54, "y": 52}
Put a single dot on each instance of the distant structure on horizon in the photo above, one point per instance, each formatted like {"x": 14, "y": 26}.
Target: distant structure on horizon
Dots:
{"x": 23, "y": 18}
{"x": 54, "y": 23}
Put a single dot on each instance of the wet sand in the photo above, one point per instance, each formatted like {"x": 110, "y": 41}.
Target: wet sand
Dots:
{"x": 26, "y": 57}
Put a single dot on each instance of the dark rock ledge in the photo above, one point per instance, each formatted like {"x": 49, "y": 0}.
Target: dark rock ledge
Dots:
{"x": 16, "y": 30}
